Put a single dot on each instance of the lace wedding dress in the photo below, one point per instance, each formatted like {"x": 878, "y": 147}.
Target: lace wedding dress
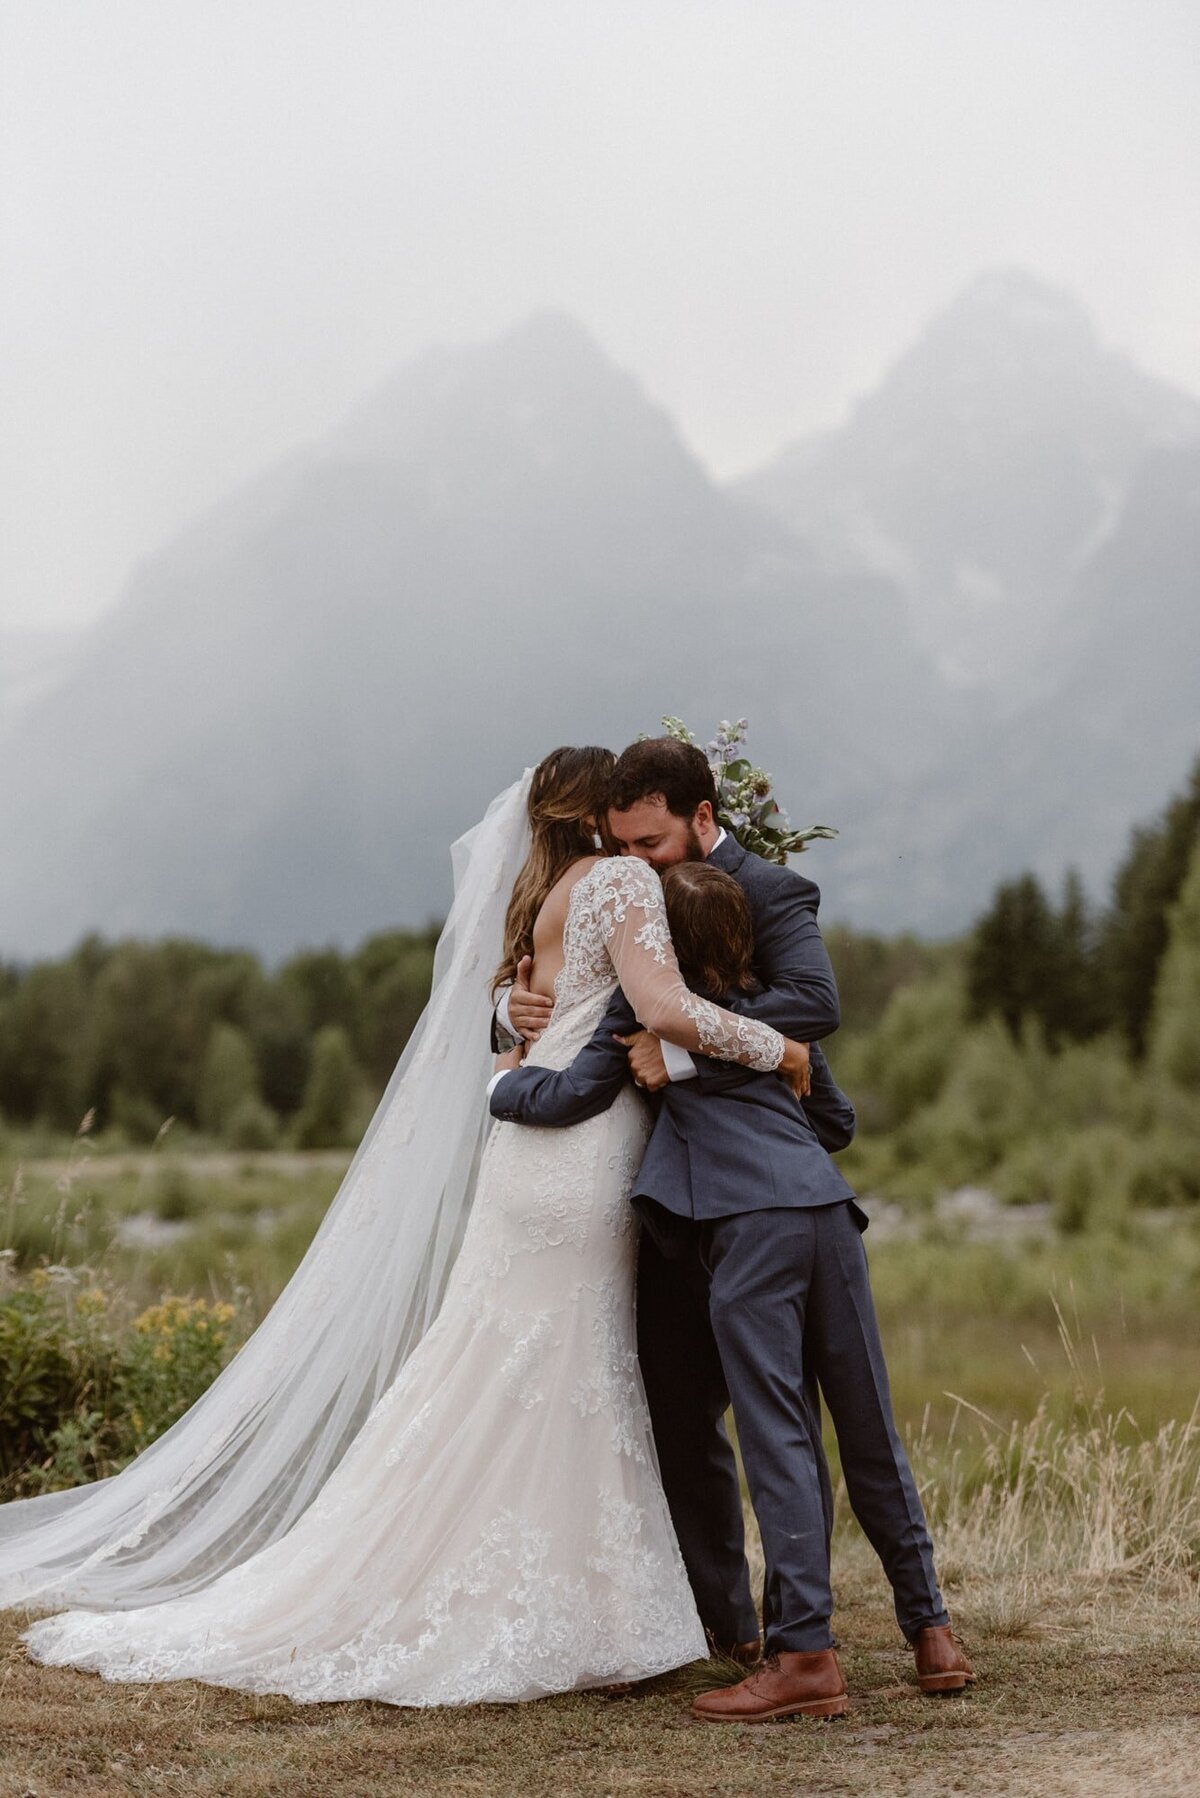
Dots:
{"x": 497, "y": 1529}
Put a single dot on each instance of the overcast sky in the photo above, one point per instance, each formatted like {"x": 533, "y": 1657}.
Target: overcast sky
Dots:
{"x": 223, "y": 220}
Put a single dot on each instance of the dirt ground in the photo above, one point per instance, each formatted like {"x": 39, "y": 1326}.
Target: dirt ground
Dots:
{"x": 1089, "y": 1690}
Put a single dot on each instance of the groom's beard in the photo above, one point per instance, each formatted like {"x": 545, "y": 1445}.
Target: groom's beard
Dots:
{"x": 693, "y": 851}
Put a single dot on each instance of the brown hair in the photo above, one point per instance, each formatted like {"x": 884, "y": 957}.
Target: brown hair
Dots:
{"x": 711, "y": 928}
{"x": 566, "y": 803}
{"x": 663, "y": 765}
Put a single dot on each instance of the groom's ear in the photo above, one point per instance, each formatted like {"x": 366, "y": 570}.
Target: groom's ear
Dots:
{"x": 704, "y": 815}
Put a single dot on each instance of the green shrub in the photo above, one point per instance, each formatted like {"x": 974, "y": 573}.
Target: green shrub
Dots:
{"x": 136, "y": 1118}
{"x": 174, "y": 1195}
{"x": 1028, "y": 1174}
{"x": 40, "y": 1381}
{"x": 1094, "y": 1083}
{"x": 1091, "y": 1179}
{"x": 997, "y": 1084}
{"x": 333, "y": 1096}
{"x": 989, "y": 1098}
{"x": 1165, "y": 1170}
{"x": 228, "y": 1078}
{"x": 172, "y": 1354}
{"x": 84, "y": 1386}
{"x": 251, "y": 1125}
{"x": 902, "y": 1064}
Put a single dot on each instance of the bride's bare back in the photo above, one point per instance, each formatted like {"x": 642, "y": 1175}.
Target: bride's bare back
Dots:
{"x": 549, "y": 926}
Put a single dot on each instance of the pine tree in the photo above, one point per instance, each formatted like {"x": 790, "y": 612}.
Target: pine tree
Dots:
{"x": 1013, "y": 954}
{"x": 1146, "y": 885}
{"x": 1071, "y": 1005}
{"x": 1174, "y": 1036}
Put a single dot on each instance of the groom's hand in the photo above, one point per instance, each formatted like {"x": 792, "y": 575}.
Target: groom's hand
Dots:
{"x": 529, "y": 1011}
{"x": 646, "y": 1062}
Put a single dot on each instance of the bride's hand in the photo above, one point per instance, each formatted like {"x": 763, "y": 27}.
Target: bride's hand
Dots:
{"x": 796, "y": 1067}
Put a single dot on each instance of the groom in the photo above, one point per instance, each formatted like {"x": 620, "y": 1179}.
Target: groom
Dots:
{"x": 722, "y": 1304}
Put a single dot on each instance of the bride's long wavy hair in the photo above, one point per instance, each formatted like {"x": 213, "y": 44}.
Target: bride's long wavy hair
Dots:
{"x": 568, "y": 802}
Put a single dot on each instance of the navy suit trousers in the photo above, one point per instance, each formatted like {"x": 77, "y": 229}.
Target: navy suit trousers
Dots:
{"x": 688, "y": 1396}
{"x": 789, "y": 1307}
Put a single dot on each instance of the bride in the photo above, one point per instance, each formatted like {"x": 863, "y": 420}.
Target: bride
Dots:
{"x": 428, "y": 1478}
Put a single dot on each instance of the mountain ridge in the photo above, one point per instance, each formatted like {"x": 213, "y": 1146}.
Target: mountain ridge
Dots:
{"x": 982, "y": 471}
{"x": 304, "y": 696}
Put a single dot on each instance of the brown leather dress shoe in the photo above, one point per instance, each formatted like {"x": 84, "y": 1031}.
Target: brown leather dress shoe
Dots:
{"x": 786, "y": 1685}
{"x": 941, "y": 1664}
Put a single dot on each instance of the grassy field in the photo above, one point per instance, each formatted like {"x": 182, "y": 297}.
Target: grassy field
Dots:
{"x": 964, "y": 1316}
{"x": 1088, "y": 1685}
{"x": 1045, "y": 1383}
{"x": 986, "y": 1321}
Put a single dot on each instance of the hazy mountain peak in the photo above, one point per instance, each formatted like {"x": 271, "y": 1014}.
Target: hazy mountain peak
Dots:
{"x": 546, "y": 346}
{"x": 988, "y": 464}
{"x": 1014, "y": 300}
{"x": 551, "y": 337}
{"x": 1024, "y": 358}
{"x": 539, "y": 395}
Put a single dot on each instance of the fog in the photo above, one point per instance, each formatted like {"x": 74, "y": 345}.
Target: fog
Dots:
{"x": 222, "y": 224}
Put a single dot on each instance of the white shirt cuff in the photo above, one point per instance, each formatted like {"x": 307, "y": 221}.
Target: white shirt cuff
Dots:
{"x": 679, "y": 1064}
{"x": 495, "y": 1080}
{"x": 502, "y": 1017}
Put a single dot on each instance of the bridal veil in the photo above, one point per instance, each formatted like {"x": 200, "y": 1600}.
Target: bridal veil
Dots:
{"x": 251, "y": 1454}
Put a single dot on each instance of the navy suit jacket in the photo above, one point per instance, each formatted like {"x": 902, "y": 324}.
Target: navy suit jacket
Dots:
{"x": 739, "y": 1141}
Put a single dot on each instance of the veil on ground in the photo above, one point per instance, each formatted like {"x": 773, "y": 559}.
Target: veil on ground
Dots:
{"x": 251, "y": 1454}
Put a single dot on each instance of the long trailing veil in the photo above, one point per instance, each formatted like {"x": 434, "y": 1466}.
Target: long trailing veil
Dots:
{"x": 248, "y": 1457}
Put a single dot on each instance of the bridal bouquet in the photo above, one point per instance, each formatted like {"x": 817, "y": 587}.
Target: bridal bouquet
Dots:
{"x": 745, "y": 803}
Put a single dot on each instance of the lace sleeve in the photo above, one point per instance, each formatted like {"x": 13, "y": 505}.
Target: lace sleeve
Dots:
{"x": 630, "y": 909}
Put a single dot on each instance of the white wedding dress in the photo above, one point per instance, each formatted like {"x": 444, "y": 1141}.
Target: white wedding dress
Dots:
{"x": 497, "y": 1529}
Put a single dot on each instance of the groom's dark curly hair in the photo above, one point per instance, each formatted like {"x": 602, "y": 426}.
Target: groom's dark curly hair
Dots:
{"x": 663, "y": 765}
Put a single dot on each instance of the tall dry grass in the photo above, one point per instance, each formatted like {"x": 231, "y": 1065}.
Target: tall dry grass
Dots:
{"x": 1087, "y": 1494}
